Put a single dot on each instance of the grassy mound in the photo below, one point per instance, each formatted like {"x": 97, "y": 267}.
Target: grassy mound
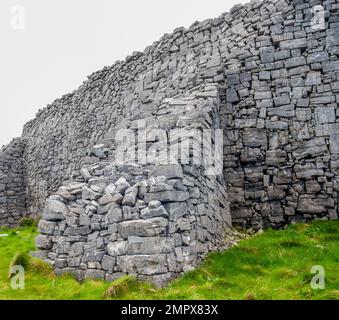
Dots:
{"x": 273, "y": 265}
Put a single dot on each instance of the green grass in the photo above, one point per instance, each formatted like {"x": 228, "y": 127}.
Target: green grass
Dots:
{"x": 274, "y": 265}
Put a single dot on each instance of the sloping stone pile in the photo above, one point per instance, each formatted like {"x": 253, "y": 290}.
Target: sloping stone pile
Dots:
{"x": 151, "y": 221}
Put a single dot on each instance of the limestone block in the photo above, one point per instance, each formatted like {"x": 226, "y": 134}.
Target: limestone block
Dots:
{"x": 144, "y": 264}
{"x": 55, "y": 211}
{"x": 142, "y": 228}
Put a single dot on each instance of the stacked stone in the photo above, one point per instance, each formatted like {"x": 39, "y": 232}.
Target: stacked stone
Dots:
{"x": 277, "y": 70}
{"x": 60, "y": 135}
{"x": 12, "y": 184}
{"x": 150, "y": 221}
{"x": 281, "y": 115}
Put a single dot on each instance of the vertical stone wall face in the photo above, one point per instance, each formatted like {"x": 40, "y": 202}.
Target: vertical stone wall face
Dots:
{"x": 276, "y": 69}
{"x": 278, "y": 73}
{"x": 12, "y": 184}
{"x": 281, "y": 115}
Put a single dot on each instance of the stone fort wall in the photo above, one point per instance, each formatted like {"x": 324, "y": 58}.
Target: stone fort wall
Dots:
{"x": 153, "y": 221}
{"x": 12, "y": 183}
{"x": 275, "y": 65}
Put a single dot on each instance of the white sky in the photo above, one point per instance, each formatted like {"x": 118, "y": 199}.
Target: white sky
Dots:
{"x": 65, "y": 40}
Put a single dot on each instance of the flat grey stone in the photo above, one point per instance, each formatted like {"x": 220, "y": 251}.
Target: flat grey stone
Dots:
{"x": 167, "y": 196}
{"x": 142, "y": 228}
{"x": 55, "y": 211}
{"x": 169, "y": 172}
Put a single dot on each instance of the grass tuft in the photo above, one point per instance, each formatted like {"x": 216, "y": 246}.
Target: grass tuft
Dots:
{"x": 19, "y": 259}
{"x": 29, "y": 222}
{"x": 40, "y": 267}
{"x": 320, "y": 228}
{"x": 120, "y": 287}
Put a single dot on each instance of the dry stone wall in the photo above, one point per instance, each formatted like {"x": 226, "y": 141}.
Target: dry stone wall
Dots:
{"x": 12, "y": 184}
{"x": 153, "y": 221}
{"x": 281, "y": 116}
{"x": 276, "y": 69}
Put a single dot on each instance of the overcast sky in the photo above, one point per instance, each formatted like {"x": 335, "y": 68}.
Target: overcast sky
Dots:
{"x": 63, "y": 41}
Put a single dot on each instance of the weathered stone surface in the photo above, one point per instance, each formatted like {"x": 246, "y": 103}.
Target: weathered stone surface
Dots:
{"x": 46, "y": 227}
{"x": 310, "y": 206}
{"x": 76, "y": 249}
{"x": 108, "y": 263}
{"x": 121, "y": 186}
{"x": 232, "y": 96}
{"x": 95, "y": 274}
{"x": 261, "y": 73}
{"x": 176, "y": 210}
{"x": 99, "y": 151}
{"x": 144, "y": 264}
{"x": 118, "y": 248}
{"x": 130, "y": 196}
{"x": 169, "y": 172}
{"x": 114, "y": 215}
{"x": 154, "y": 204}
{"x": 143, "y": 246}
{"x": 89, "y": 194}
{"x": 42, "y": 254}
{"x": 110, "y": 189}
{"x": 85, "y": 174}
{"x": 167, "y": 196}
{"x": 142, "y": 228}
{"x": 325, "y": 115}
{"x": 310, "y": 148}
{"x": 55, "y": 211}
{"x": 43, "y": 243}
{"x": 148, "y": 213}
{"x": 334, "y": 143}
{"x": 84, "y": 220}
{"x": 106, "y": 199}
